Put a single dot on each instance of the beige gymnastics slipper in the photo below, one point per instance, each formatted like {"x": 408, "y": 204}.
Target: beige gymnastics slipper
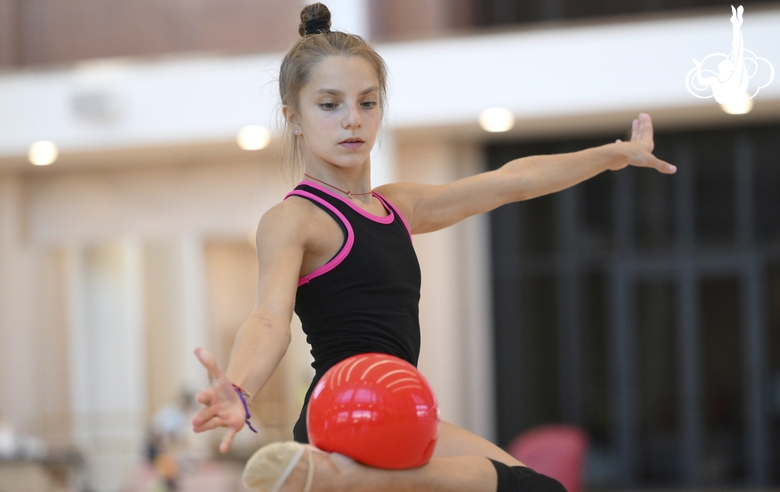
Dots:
{"x": 270, "y": 466}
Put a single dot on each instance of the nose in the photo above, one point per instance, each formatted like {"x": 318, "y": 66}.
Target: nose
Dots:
{"x": 353, "y": 118}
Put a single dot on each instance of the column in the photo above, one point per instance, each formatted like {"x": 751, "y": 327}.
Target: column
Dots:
{"x": 19, "y": 360}
{"x": 107, "y": 358}
{"x": 175, "y": 318}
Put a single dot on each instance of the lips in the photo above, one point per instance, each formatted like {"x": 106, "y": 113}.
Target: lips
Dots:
{"x": 352, "y": 143}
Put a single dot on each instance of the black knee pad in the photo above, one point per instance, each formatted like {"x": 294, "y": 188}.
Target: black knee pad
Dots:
{"x": 523, "y": 479}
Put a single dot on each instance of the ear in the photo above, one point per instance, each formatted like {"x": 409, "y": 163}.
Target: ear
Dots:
{"x": 290, "y": 117}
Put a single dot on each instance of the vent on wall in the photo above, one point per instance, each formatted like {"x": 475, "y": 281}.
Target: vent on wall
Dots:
{"x": 99, "y": 106}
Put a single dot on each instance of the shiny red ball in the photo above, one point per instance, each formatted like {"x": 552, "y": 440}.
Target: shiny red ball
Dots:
{"x": 377, "y": 409}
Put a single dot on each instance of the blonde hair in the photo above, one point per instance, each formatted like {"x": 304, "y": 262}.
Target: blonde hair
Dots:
{"x": 314, "y": 46}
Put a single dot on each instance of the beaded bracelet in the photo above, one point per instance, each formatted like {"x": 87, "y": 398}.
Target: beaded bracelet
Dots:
{"x": 243, "y": 395}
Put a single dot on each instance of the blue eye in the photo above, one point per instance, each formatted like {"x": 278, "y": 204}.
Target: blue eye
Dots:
{"x": 328, "y": 105}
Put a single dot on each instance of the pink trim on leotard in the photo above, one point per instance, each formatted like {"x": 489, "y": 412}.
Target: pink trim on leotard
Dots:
{"x": 382, "y": 220}
{"x": 345, "y": 249}
{"x": 389, "y": 205}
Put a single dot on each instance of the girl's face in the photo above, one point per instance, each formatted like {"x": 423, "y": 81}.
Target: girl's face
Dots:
{"x": 338, "y": 113}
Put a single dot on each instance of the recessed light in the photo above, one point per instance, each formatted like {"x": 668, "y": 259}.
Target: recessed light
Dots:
{"x": 496, "y": 120}
{"x": 254, "y": 137}
{"x": 43, "y": 153}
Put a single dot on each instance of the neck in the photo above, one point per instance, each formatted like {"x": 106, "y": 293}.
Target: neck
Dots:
{"x": 347, "y": 191}
{"x": 354, "y": 183}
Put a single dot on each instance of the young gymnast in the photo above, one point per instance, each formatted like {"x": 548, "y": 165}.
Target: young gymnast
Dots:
{"x": 340, "y": 256}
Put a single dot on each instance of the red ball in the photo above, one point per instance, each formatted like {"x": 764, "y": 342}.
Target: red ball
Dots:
{"x": 377, "y": 409}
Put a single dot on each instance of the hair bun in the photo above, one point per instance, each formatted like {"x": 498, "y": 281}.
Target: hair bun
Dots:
{"x": 315, "y": 19}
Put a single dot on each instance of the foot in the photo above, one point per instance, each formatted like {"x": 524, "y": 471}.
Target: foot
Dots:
{"x": 291, "y": 467}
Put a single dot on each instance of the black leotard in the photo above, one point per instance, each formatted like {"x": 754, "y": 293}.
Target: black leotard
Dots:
{"x": 366, "y": 298}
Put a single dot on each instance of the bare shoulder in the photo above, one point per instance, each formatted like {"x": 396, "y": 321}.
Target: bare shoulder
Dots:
{"x": 282, "y": 239}
{"x": 406, "y": 197}
{"x": 286, "y": 224}
{"x": 402, "y": 195}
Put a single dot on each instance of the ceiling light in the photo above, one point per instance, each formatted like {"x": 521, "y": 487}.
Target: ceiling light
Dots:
{"x": 43, "y": 153}
{"x": 254, "y": 137}
{"x": 496, "y": 120}
{"x": 739, "y": 104}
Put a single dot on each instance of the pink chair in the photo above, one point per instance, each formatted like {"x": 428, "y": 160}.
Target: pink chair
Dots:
{"x": 557, "y": 451}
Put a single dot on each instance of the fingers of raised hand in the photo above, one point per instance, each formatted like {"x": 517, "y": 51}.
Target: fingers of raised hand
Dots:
{"x": 642, "y": 132}
{"x": 203, "y": 416}
{"x": 642, "y": 127}
{"x": 227, "y": 440}
{"x": 646, "y": 126}
{"x": 206, "y": 396}
{"x": 646, "y": 159}
{"x": 208, "y": 425}
{"x": 209, "y": 362}
{"x": 233, "y": 426}
{"x": 219, "y": 396}
{"x": 219, "y": 416}
{"x": 640, "y": 154}
{"x": 665, "y": 167}
{"x": 220, "y": 388}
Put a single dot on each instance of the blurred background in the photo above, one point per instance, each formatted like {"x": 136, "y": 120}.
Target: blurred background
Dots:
{"x": 139, "y": 146}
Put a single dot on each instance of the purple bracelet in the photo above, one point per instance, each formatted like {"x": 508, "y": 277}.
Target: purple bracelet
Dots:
{"x": 246, "y": 408}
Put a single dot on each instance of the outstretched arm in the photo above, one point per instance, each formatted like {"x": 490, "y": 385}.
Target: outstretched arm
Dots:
{"x": 433, "y": 207}
{"x": 263, "y": 339}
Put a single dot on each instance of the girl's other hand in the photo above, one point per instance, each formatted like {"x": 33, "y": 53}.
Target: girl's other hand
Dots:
{"x": 223, "y": 406}
{"x": 639, "y": 151}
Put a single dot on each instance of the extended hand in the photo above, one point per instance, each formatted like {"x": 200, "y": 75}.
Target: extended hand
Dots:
{"x": 223, "y": 406}
{"x": 639, "y": 151}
